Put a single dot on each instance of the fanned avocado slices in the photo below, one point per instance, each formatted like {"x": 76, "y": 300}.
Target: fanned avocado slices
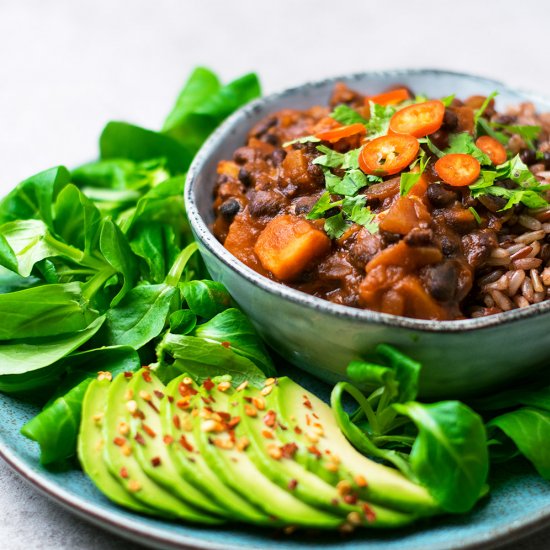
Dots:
{"x": 91, "y": 443}
{"x": 151, "y": 450}
{"x": 119, "y": 454}
{"x": 325, "y": 451}
{"x": 177, "y": 421}
{"x": 224, "y": 441}
{"x": 276, "y": 459}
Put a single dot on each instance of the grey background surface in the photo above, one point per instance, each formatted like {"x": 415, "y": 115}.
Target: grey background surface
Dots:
{"x": 67, "y": 67}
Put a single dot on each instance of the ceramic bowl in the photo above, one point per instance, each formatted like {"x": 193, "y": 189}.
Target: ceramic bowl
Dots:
{"x": 459, "y": 358}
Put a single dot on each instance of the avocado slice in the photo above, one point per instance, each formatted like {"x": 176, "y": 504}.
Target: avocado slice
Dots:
{"x": 224, "y": 442}
{"x": 177, "y": 422}
{"x": 151, "y": 452}
{"x": 90, "y": 449}
{"x": 275, "y": 458}
{"x": 330, "y": 455}
{"x": 119, "y": 454}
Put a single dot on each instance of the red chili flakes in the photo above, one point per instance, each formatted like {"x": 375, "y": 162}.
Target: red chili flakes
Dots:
{"x": 156, "y": 461}
{"x": 119, "y": 441}
{"x": 205, "y": 400}
{"x": 208, "y": 384}
{"x": 167, "y": 439}
{"x": 282, "y": 426}
{"x": 308, "y": 420}
{"x": 128, "y": 374}
{"x": 315, "y": 415}
{"x": 170, "y": 399}
{"x": 297, "y": 430}
{"x": 139, "y": 438}
{"x": 335, "y": 502}
{"x": 314, "y": 450}
{"x": 148, "y": 430}
{"x": 307, "y": 402}
{"x": 233, "y": 422}
{"x": 186, "y": 390}
{"x": 124, "y": 473}
{"x": 268, "y": 434}
{"x": 224, "y": 415}
{"x": 369, "y": 512}
{"x": 226, "y": 344}
{"x": 360, "y": 481}
{"x": 159, "y": 394}
{"x": 289, "y": 449}
{"x": 177, "y": 422}
{"x": 270, "y": 419}
{"x": 146, "y": 376}
{"x": 153, "y": 406}
{"x": 185, "y": 444}
{"x": 350, "y": 499}
{"x": 292, "y": 484}
{"x": 183, "y": 404}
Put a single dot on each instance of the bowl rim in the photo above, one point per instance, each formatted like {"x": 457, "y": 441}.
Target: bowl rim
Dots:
{"x": 297, "y": 297}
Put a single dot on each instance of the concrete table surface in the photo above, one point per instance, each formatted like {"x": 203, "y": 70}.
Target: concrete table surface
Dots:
{"x": 67, "y": 67}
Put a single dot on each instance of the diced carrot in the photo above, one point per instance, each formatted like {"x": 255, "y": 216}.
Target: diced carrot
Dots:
{"x": 288, "y": 245}
{"x": 405, "y": 214}
{"x": 408, "y": 257}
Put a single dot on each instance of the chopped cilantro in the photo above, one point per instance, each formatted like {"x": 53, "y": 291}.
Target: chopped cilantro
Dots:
{"x": 516, "y": 170}
{"x": 484, "y": 105}
{"x": 346, "y": 115}
{"x": 527, "y": 133}
{"x": 356, "y": 211}
{"x": 486, "y": 179}
{"x": 305, "y": 139}
{"x": 528, "y": 197}
{"x": 321, "y": 206}
{"x": 379, "y": 120}
{"x": 487, "y": 129}
{"x": 410, "y": 179}
{"x": 334, "y": 159}
{"x": 350, "y": 184}
{"x": 432, "y": 147}
{"x": 464, "y": 143}
{"x": 447, "y": 101}
{"x": 475, "y": 214}
{"x": 335, "y": 226}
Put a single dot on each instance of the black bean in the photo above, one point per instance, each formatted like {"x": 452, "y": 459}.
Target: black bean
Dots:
{"x": 272, "y": 139}
{"x": 546, "y": 160}
{"x": 229, "y": 208}
{"x": 440, "y": 196}
{"x": 245, "y": 177}
{"x": 450, "y": 120}
{"x": 419, "y": 237}
{"x": 441, "y": 281}
{"x": 303, "y": 205}
{"x": 264, "y": 126}
{"x": 448, "y": 246}
{"x": 389, "y": 238}
{"x": 492, "y": 203}
{"x": 528, "y": 156}
{"x": 278, "y": 156}
{"x": 265, "y": 203}
{"x": 504, "y": 119}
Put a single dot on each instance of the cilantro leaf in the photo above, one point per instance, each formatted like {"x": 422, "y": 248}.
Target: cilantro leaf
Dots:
{"x": 447, "y": 101}
{"x": 350, "y": 184}
{"x": 528, "y": 197}
{"x": 527, "y": 133}
{"x": 335, "y": 226}
{"x": 379, "y": 120}
{"x": 321, "y": 206}
{"x": 334, "y": 159}
{"x": 486, "y": 179}
{"x": 356, "y": 211}
{"x": 475, "y": 214}
{"x": 346, "y": 115}
{"x": 516, "y": 170}
{"x": 305, "y": 139}
{"x": 464, "y": 143}
{"x": 484, "y": 105}
{"x": 410, "y": 179}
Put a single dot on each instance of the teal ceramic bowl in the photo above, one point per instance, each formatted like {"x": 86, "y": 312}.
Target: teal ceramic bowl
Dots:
{"x": 459, "y": 357}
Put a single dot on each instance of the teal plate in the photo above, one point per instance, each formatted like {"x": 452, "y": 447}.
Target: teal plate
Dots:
{"x": 519, "y": 503}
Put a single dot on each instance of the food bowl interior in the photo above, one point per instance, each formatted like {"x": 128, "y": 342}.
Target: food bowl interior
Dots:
{"x": 459, "y": 357}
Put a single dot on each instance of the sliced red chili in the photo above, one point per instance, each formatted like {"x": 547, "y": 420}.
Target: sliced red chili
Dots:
{"x": 388, "y": 155}
{"x": 337, "y": 134}
{"x": 458, "y": 169}
{"x": 418, "y": 120}
{"x": 493, "y": 149}
{"x": 389, "y": 98}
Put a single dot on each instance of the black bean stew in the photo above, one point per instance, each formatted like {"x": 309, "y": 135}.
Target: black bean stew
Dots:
{"x": 433, "y": 209}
